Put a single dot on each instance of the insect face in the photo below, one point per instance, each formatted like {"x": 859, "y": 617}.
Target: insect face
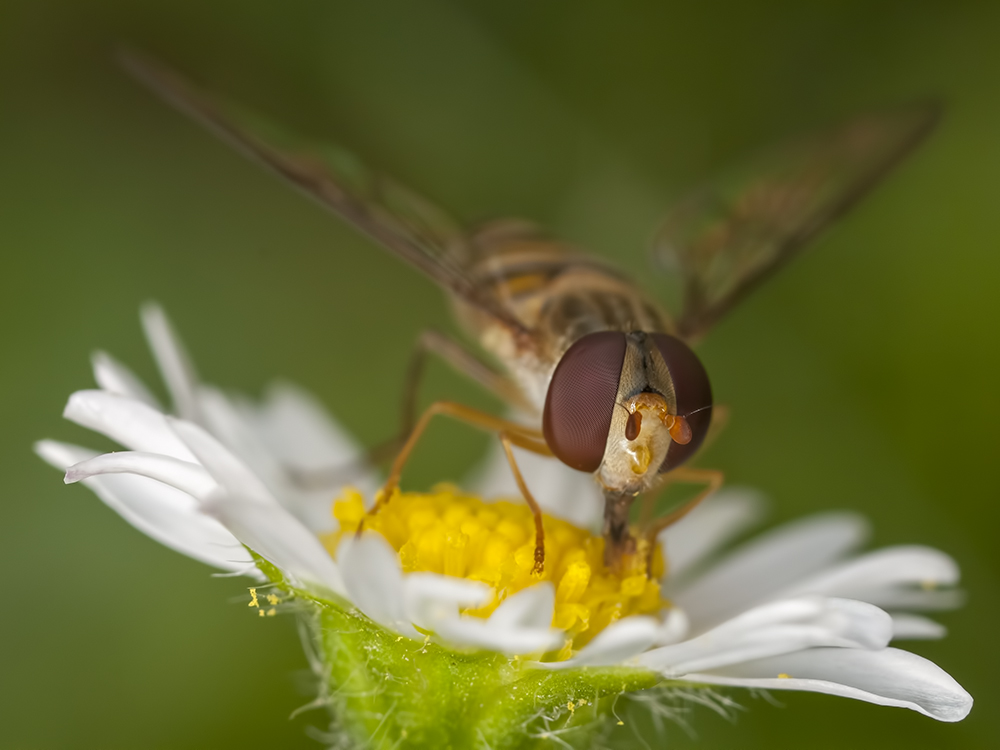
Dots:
{"x": 628, "y": 406}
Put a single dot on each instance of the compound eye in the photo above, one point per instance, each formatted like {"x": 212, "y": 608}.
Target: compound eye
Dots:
{"x": 581, "y": 399}
{"x": 694, "y": 396}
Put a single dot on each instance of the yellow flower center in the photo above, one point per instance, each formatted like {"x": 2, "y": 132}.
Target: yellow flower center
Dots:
{"x": 454, "y": 534}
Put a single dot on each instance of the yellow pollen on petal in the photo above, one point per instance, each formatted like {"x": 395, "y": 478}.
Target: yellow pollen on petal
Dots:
{"x": 451, "y": 533}
{"x": 783, "y": 676}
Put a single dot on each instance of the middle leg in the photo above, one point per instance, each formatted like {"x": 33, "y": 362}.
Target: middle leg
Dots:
{"x": 459, "y": 358}
{"x": 510, "y": 434}
{"x": 711, "y": 478}
{"x": 536, "y": 509}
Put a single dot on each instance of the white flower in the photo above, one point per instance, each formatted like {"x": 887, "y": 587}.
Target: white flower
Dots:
{"x": 795, "y": 609}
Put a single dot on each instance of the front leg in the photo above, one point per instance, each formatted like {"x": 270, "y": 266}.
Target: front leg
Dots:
{"x": 711, "y": 478}
{"x": 462, "y": 360}
{"x": 510, "y": 434}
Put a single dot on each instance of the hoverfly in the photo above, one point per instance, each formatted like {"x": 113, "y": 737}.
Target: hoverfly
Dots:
{"x": 606, "y": 376}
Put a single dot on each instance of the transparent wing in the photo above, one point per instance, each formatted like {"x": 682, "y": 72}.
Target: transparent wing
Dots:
{"x": 398, "y": 219}
{"x": 725, "y": 239}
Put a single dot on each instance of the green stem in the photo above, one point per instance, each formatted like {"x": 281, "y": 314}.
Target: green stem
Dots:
{"x": 386, "y": 691}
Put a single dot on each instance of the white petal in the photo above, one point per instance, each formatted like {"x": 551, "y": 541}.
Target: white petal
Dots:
{"x": 923, "y": 600}
{"x": 303, "y": 435}
{"x": 773, "y": 629}
{"x": 429, "y": 598}
{"x": 915, "y": 627}
{"x": 114, "y": 377}
{"x": 532, "y": 607}
{"x": 477, "y": 633}
{"x": 709, "y": 526}
{"x": 237, "y": 424}
{"x": 768, "y": 564}
{"x": 433, "y": 601}
{"x": 224, "y": 467}
{"x": 183, "y": 475}
{"x": 876, "y": 577}
{"x": 161, "y": 512}
{"x": 274, "y": 534}
{"x": 62, "y": 455}
{"x": 175, "y": 365}
{"x": 888, "y": 677}
{"x": 230, "y": 425}
{"x": 616, "y": 643}
{"x": 131, "y": 423}
{"x": 374, "y": 580}
{"x": 560, "y": 490}
{"x": 674, "y": 628}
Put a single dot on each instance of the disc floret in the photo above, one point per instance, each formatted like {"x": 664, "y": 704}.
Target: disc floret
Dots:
{"x": 453, "y": 533}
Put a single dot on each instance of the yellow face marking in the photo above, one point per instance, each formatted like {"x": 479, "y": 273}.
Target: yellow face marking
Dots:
{"x": 640, "y": 458}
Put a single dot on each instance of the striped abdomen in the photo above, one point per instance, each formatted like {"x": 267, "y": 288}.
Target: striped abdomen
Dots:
{"x": 557, "y": 292}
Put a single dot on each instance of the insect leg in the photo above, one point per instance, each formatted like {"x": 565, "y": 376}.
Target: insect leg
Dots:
{"x": 536, "y": 511}
{"x": 720, "y": 418}
{"x": 712, "y": 478}
{"x": 519, "y": 435}
{"x": 462, "y": 360}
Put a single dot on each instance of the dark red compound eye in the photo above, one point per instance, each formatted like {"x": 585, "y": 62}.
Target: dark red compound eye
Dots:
{"x": 694, "y": 396}
{"x": 581, "y": 399}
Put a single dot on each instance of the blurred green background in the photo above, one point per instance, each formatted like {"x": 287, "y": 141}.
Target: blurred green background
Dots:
{"x": 864, "y": 377}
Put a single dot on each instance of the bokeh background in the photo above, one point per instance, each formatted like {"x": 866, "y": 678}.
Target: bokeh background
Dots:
{"x": 864, "y": 377}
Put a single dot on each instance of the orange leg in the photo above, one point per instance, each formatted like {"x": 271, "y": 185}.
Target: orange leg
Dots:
{"x": 462, "y": 360}
{"x": 720, "y": 418}
{"x": 536, "y": 511}
{"x": 712, "y": 478}
{"x": 510, "y": 434}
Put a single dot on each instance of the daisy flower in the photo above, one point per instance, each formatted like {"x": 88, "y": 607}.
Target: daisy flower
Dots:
{"x": 432, "y": 629}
